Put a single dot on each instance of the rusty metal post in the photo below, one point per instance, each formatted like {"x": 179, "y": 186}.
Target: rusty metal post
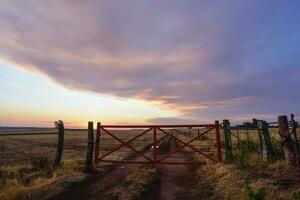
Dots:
{"x": 218, "y": 141}
{"x": 154, "y": 145}
{"x": 90, "y": 146}
{"x": 97, "y": 143}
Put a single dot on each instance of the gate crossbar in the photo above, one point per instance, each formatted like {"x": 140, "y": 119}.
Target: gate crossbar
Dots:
{"x": 125, "y": 144}
{"x": 154, "y": 129}
{"x": 186, "y": 145}
{"x": 128, "y": 142}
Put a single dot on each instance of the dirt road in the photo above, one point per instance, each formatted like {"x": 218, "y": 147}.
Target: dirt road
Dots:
{"x": 175, "y": 182}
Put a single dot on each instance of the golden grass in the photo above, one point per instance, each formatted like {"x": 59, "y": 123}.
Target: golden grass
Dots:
{"x": 27, "y": 182}
{"x": 141, "y": 184}
{"x": 218, "y": 181}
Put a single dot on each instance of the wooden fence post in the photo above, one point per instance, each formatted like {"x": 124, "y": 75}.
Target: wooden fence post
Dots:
{"x": 218, "y": 141}
{"x": 97, "y": 143}
{"x": 294, "y": 125}
{"x": 287, "y": 143}
{"x": 265, "y": 140}
{"x": 90, "y": 146}
{"x": 227, "y": 141}
{"x": 60, "y": 144}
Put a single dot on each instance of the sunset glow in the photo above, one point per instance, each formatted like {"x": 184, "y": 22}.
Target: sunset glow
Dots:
{"x": 35, "y": 100}
{"x": 147, "y": 61}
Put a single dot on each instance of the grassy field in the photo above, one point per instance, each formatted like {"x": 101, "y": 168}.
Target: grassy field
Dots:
{"x": 30, "y": 157}
{"x": 20, "y": 149}
{"x": 27, "y": 172}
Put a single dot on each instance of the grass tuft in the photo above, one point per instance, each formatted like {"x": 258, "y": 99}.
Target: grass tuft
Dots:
{"x": 141, "y": 184}
{"x": 30, "y": 181}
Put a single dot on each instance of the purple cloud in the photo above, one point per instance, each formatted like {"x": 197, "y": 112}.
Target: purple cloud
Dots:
{"x": 204, "y": 58}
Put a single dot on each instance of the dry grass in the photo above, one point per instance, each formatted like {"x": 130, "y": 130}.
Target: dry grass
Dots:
{"x": 141, "y": 184}
{"x": 218, "y": 181}
{"x": 248, "y": 174}
{"x": 29, "y": 182}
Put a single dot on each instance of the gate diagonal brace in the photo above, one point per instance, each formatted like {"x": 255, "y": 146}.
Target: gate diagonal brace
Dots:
{"x": 186, "y": 144}
{"x": 125, "y": 144}
{"x": 134, "y": 138}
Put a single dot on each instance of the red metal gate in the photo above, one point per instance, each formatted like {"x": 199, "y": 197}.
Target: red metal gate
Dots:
{"x": 153, "y": 130}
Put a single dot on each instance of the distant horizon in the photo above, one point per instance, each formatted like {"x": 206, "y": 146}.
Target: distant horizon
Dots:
{"x": 95, "y": 123}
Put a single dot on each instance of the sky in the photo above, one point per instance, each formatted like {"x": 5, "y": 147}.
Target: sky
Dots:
{"x": 139, "y": 61}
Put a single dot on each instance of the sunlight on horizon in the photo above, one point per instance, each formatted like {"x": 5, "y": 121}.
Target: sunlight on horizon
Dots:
{"x": 40, "y": 101}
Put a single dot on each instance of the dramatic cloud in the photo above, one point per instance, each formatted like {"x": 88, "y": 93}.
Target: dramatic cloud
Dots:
{"x": 205, "y": 58}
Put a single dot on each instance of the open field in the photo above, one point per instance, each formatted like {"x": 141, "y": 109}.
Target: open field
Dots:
{"x": 36, "y": 147}
{"x": 210, "y": 180}
{"x": 21, "y": 148}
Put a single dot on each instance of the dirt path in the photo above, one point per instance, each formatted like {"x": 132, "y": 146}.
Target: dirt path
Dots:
{"x": 176, "y": 182}
{"x": 94, "y": 186}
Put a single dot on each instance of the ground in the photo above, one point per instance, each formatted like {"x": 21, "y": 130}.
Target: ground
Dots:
{"x": 175, "y": 182}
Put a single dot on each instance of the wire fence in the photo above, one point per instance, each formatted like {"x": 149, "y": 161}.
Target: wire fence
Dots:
{"x": 264, "y": 138}
{"x": 23, "y": 145}
{"x": 20, "y": 146}
{"x": 75, "y": 144}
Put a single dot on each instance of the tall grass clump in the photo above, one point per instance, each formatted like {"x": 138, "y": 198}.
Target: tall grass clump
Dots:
{"x": 247, "y": 153}
{"x": 31, "y": 180}
{"x": 277, "y": 148}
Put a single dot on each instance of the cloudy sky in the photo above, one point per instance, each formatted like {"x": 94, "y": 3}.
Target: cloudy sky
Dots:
{"x": 139, "y": 61}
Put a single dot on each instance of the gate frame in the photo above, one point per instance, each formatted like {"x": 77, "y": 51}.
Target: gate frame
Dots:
{"x": 154, "y": 129}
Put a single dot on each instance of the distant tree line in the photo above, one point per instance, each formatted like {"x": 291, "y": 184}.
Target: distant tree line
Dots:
{"x": 252, "y": 124}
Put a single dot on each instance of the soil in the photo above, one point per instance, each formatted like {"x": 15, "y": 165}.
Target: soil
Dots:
{"x": 92, "y": 187}
{"x": 176, "y": 182}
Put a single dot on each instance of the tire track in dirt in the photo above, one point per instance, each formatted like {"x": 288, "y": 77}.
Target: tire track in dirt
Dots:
{"x": 177, "y": 182}
{"x": 95, "y": 185}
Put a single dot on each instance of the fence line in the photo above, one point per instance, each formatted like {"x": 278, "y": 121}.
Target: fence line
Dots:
{"x": 24, "y": 145}
{"x": 78, "y": 144}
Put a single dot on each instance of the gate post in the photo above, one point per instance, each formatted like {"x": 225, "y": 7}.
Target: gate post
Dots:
{"x": 218, "y": 141}
{"x": 97, "y": 143}
{"x": 154, "y": 146}
{"x": 227, "y": 140}
{"x": 60, "y": 145}
{"x": 90, "y": 146}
